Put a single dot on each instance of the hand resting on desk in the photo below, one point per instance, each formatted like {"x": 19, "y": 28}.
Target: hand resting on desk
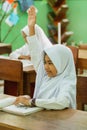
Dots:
{"x": 25, "y": 99}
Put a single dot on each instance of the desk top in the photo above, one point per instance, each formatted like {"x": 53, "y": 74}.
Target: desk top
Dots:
{"x": 3, "y": 45}
{"x": 82, "y": 54}
{"x": 68, "y": 119}
{"x": 29, "y": 69}
{"x": 26, "y": 69}
{"x": 47, "y": 120}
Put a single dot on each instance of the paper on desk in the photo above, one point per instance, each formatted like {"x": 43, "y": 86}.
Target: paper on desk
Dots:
{"x": 21, "y": 109}
{"x": 4, "y": 57}
{"x": 26, "y": 63}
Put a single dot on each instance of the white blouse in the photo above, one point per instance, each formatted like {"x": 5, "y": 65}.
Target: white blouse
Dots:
{"x": 20, "y": 51}
{"x": 56, "y": 92}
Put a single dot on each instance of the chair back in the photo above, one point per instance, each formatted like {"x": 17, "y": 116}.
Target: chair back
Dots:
{"x": 74, "y": 50}
{"x": 80, "y": 63}
{"x": 80, "y": 81}
{"x": 83, "y": 46}
{"x": 5, "y": 48}
{"x": 82, "y": 84}
{"x": 11, "y": 71}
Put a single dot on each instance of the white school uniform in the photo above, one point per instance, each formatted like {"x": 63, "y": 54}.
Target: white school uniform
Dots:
{"x": 45, "y": 42}
{"x": 41, "y": 36}
{"x": 20, "y": 51}
{"x": 57, "y": 92}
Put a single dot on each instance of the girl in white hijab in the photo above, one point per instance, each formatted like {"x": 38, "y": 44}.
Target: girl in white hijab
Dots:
{"x": 23, "y": 52}
{"x": 45, "y": 42}
{"x": 56, "y": 78}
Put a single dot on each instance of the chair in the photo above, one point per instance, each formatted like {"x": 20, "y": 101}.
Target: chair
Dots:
{"x": 80, "y": 81}
{"x": 83, "y": 46}
{"x": 80, "y": 64}
{"x": 11, "y": 71}
{"x": 5, "y": 48}
{"x": 81, "y": 84}
{"x": 74, "y": 50}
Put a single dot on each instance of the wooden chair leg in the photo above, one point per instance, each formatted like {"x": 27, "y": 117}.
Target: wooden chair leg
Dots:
{"x": 80, "y": 106}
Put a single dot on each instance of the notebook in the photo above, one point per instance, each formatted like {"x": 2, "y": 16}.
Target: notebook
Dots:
{"x": 20, "y": 109}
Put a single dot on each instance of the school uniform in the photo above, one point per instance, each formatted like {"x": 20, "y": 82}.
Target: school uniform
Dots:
{"x": 20, "y": 51}
{"x": 57, "y": 92}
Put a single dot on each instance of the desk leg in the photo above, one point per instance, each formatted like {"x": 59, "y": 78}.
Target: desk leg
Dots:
{"x": 28, "y": 83}
{"x": 10, "y": 88}
{"x": 81, "y": 92}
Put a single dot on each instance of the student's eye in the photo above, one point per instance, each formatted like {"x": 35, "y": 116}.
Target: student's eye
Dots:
{"x": 44, "y": 62}
{"x": 50, "y": 63}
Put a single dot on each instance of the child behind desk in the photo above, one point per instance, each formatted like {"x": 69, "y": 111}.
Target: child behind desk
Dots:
{"x": 56, "y": 77}
{"x": 23, "y": 52}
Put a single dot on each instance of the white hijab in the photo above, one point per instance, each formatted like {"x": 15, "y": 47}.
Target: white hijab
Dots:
{"x": 64, "y": 84}
{"x": 40, "y": 35}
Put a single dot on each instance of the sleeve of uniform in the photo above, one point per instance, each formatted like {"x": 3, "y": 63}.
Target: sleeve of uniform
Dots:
{"x": 65, "y": 99}
{"x": 55, "y": 104}
{"x": 18, "y": 52}
{"x": 45, "y": 42}
{"x": 15, "y": 54}
{"x": 35, "y": 50}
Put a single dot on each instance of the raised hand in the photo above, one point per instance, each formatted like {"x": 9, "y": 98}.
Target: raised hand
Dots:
{"x": 31, "y": 16}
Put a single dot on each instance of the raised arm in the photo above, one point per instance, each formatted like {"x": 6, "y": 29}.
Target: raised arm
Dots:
{"x": 21, "y": 53}
{"x": 35, "y": 47}
{"x": 31, "y": 20}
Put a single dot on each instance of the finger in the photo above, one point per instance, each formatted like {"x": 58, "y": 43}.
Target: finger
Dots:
{"x": 31, "y": 10}
{"x": 17, "y": 100}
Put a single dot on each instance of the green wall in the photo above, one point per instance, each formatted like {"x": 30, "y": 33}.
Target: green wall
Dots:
{"x": 14, "y": 37}
{"x": 77, "y": 15}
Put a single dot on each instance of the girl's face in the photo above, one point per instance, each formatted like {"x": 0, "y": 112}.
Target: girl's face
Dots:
{"x": 49, "y": 67}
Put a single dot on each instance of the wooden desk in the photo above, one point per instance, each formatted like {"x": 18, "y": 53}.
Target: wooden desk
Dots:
{"x": 82, "y": 54}
{"x": 81, "y": 79}
{"x": 5, "y": 48}
{"x": 29, "y": 76}
{"x": 82, "y": 59}
{"x": 68, "y": 119}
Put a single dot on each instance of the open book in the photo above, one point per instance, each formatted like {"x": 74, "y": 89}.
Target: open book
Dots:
{"x": 6, "y": 105}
